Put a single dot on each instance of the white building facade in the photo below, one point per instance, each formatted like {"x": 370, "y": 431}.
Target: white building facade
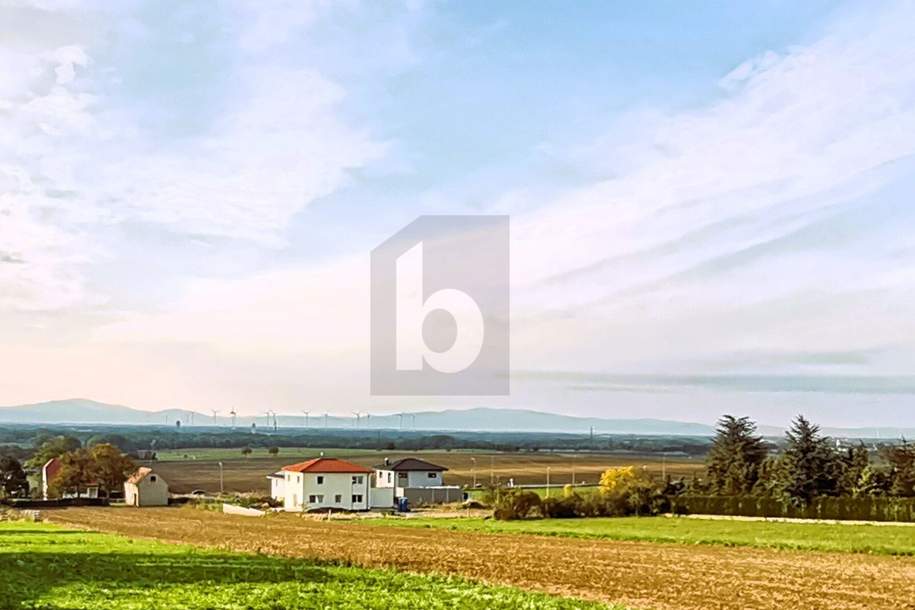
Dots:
{"x": 408, "y": 473}
{"x": 325, "y": 483}
{"x": 145, "y": 488}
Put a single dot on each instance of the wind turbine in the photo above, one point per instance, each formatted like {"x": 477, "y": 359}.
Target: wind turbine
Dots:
{"x": 356, "y": 421}
{"x": 325, "y": 421}
{"x": 274, "y": 421}
{"x": 215, "y": 413}
{"x": 234, "y": 415}
{"x": 368, "y": 420}
{"x": 306, "y": 417}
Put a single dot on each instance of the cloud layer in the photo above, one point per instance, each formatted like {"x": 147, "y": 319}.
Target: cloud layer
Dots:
{"x": 761, "y": 232}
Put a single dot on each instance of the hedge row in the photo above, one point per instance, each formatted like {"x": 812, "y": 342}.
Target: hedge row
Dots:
{"x": 866, "y": 508}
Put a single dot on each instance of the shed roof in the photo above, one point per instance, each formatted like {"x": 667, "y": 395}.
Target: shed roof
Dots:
{"x": 411, "y": 465}
{"x": 329, "y": 465}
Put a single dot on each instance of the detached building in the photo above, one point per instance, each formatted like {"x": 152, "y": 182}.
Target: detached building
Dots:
{"x": 418, "y": 481}
{"x": 145, "y": 488}
{"x": 324, "y": 483}
{"x": 50, "y": 471}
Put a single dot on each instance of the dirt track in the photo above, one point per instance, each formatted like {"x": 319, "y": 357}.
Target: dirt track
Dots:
{"x": 641, "y": 575}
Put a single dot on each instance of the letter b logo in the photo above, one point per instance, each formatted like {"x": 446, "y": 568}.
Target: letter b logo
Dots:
{"x": 440, "y": 302}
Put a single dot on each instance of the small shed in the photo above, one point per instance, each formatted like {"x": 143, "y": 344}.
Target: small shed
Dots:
{"x": 145, "y": 488}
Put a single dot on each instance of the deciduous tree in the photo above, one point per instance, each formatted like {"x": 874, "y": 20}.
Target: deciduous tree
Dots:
{"x": 13, "y": 481}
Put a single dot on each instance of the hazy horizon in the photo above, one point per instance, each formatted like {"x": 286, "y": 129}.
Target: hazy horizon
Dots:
{"x": 710, "y": 205}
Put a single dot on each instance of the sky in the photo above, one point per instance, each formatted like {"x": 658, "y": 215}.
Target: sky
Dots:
{"x": 711, "y": 203}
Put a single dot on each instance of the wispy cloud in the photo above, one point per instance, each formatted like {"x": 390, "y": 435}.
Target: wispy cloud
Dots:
{"x": 81, "y": 149}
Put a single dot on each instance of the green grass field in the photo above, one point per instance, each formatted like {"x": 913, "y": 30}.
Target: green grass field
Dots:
{"x": 47, "y": 567}
{"x": 846, "y": 538}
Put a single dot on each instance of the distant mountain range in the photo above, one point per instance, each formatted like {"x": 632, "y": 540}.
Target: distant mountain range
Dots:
{"x": 81, "y": 411}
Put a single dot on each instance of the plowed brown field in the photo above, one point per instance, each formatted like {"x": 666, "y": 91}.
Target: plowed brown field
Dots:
{"x": 641, "y": 575}
{"x": 244, "y": 475}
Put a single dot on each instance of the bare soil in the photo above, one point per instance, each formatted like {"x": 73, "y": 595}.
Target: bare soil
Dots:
{"x": 640, "y": 575}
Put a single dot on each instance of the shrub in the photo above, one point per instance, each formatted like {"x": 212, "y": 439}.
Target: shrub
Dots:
{"x": 514, "y": 504}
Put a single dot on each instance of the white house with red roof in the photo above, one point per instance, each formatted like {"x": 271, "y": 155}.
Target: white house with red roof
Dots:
{"x": 326, "y": 483}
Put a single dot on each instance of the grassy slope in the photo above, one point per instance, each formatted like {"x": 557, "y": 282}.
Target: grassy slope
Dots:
{"x": 888, "y": 540}
{"x": 44, "y": 566}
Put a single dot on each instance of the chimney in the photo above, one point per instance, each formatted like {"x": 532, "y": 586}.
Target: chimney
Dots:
{"x": 387, "y": 461}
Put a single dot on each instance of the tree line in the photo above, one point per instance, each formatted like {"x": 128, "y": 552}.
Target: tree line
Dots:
{"x": 808, "y": 474}
{"x": 102, "y": 465}
{"x": 811, "y": 465}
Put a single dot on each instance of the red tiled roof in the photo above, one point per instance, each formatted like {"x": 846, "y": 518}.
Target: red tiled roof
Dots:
{"x": 324, "y": 464}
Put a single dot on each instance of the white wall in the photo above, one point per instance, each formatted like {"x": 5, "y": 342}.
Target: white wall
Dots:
{"x": 385, "y": 478}
{"x": 420, "y": 478}
{"x": 152, "y": 490}
{"x": 277, "y": 488}
{"x": 303, "y": 491}
{"x": 382, "y": 497}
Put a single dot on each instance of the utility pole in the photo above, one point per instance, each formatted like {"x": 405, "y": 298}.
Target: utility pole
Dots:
{"x": 547, "y": 481}
{"x": 222, "y": 487}
{"x": 492, "y": 470}
{"x": 473, "y": 471}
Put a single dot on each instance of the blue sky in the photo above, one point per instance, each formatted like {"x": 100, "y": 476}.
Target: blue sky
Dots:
{"x": 699, "y": 192}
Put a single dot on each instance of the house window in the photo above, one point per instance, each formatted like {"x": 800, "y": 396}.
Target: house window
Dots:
{"x": 401, "y": 475}
{"x": 316, "y": 499}
{"x": 152, "y": 478}
{"x": 357, "y": 479}
{"x": 432, "y": 475}
{"x": 320, "y": 480}
{"x": 389, "y": 477}
{"x": 338, "y": 499}
{"x": 357, "y": 498}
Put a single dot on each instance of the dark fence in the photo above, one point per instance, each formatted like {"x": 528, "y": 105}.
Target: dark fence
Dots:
{"x": 867, "y": 508}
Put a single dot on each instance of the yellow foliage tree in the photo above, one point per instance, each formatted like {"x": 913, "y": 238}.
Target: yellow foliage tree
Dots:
{"x": 617, "y": 479}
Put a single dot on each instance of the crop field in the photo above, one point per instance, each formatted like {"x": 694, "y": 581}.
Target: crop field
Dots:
{"x": 48, "y": 567}
{"x": 200, "y": 470}
{"x": 634, "y": 574}
{"x": 883, "y": 539}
